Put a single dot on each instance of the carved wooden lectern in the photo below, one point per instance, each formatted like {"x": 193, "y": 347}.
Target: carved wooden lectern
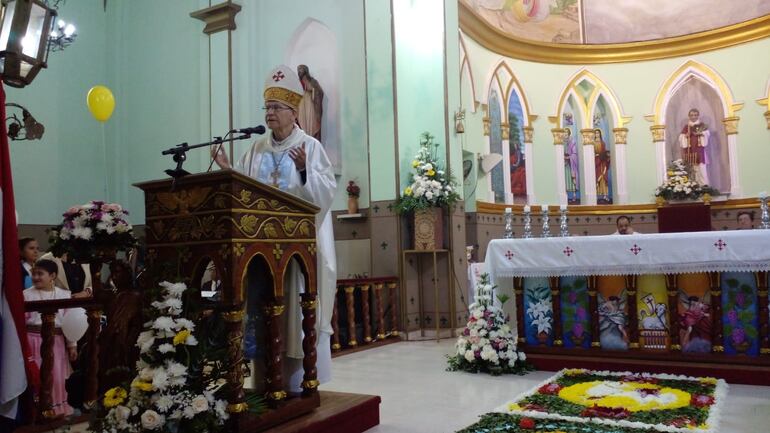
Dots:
{"x": 231, "y": 220}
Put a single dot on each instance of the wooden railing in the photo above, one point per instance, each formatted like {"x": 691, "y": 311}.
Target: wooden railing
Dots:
{"x": 44, "y": 413}
{"x": 363, "y": 306}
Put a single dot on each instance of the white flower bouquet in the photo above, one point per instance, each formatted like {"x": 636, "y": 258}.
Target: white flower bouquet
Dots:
{"x": 431, "y": 185}
{"x": 680, "y": 185}
{"x": 178, "y": 383}
{"x": 91, "y": 229}
{"x": 487, "y": 343}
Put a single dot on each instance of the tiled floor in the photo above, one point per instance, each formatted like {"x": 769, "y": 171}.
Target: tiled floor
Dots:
{"x": 419, "y": 396}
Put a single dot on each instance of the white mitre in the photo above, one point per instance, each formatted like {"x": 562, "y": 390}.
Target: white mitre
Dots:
{"x": 283, "y": 85}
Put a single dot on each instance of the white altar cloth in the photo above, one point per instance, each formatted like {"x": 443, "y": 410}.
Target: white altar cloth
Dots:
{"x": 664, "y": 253}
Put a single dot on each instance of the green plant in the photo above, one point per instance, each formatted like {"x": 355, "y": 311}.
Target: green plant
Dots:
{"x": 431, "y": 186}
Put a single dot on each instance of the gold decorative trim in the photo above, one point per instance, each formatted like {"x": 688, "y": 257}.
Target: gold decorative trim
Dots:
{"x": 558, "y": 343}
{"x": 278, "y": 395}
{"x": 337, "y": 346}
{"x": 715, "y": 293}
{"x": 596, "y": 344}
{"x": 529, "y": 132}
{"x": 621, "y": 135}
{"x": 588, "y": 136}
{"x": 592, "y": 293}
{"x": 658, "y": 132}
{"x": 518, "y": 292}
{"x": 380, "y": 336}
{"x": 233, "y": 316}
{"x": 731, "y": 124}
{"x": 310, "y": 384}
{"x": 275, "y": 310}
{"x": 673, "y": 293}
{"x": 558, "y": 135}
{"x": 236, "y": 241}
{"x": 394, "y": 333}
{"x": 365, "y": 287}
{"x": 350, "y": 289}
{"x": 762, "y": 293}
{"x": 633, "y": 345}
{"x": 522, "y": 340}
{"x": 237, "y": 408}
{"x": 676, "y": 347}
{"x": 764, "y": 351}
{"x": 368, "y": 339}
{"x": 544, "y": 52}
{"x": 718, "y": 349}
{"x": 281, "y": 94}
{"x": 308, "y": 304}
{"x": 505, "y": 131}
{"x": 352, "y": 343}
{"x": 631, "y": 292}
{"x": 767, "y": 118}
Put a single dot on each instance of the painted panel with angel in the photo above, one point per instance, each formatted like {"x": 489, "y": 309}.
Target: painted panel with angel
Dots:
{"x": 694, "y": 313}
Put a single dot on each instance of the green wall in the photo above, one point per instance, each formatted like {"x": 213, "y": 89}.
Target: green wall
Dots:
{"x": 745, "y": 68}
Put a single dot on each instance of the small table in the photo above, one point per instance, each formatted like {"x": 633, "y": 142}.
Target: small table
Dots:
{"x": 450, "y": 289}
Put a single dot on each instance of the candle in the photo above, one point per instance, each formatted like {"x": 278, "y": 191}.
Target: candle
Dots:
{"x": 563, "y": 207}
{"x": 526, "y": 208}
{"x": 508, "y": 210}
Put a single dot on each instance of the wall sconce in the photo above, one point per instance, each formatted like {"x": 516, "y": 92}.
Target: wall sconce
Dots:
{"x": 460, "y": 121}
{"x": 26, "y": 128}
{"x": 25, "y": 26}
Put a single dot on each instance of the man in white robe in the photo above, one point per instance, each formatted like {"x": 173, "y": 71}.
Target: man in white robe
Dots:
{"x": 293, "y": 161}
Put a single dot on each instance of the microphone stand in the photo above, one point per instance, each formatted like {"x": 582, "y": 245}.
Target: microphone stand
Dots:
{"x": 179, "y": 153}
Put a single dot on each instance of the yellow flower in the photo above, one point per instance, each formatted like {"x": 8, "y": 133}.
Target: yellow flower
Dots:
{"x": 114, "y": 396}
{"x": 574, "y": 372}
{"x": 578, "y": 394}
{"x": 430, "y": 172}
{"x": 708, "y": 380}
{"x": 143, "y": 386}
{"x": 513, "y": 406}
{"x": 181, "y": 337}
{"x": 415, "y": 163}
{"x": 408, "y": 190}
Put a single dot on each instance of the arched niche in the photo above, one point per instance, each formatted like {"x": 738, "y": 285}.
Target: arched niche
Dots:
{"x": 208, "y": 276}
{"x": 765, "y": 102}
{"x": 259, "y": 288}
{"x": 509, "y": 112}
{"x": 593, "y": 105}
{"x": 315, "y": 45}
{"x": 696, "y": 85}
{"x": 466, "y": 79}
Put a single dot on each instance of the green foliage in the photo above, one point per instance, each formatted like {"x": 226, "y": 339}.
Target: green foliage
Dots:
{"x": 459, "y": 363}
{"x": 504, "y": 423}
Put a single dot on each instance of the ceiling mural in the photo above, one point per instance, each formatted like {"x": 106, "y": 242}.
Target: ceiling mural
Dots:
{"x": 611, "y": 22}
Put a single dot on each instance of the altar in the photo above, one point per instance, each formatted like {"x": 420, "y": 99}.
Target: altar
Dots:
{"x": 682, "y": 303}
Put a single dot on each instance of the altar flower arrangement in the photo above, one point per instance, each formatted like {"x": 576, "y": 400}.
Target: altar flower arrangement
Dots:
{"x": 680, "y": 184}
{"x": 431, "y": 185}
{"x": 487, "y": 343}
{"x": 90, "y": 230}
{"x": 179, "y": 381}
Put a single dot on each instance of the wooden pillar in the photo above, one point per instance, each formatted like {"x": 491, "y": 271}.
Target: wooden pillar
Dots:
{"x": 556, "y": 306}
{"x": 274, "y": 373}
{"x": 764, "y": 338}
{"x": 380, "y": 311}
{"x": 673, "y": 310}
{"x": 392, "y": 287}
{"x": 91, "y": 392}
{"x": 234, "y": 327}
{"x": 593, "y": 306}
{"x": 309, "y": 380}
{"x": 717, "y": 329}
{"x": 518, "y": 293}
{"x": 351, "y": 304}
{"x": 335, "y": 323}
{"x": 632, "y": 313}
{"x": 47, "y": 329}
{"x": 366, "y": 317}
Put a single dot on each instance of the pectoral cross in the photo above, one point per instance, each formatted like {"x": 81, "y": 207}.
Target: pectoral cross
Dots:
{"x": 275, "y": 174}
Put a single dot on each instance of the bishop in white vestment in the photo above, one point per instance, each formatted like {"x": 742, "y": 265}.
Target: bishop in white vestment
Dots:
{"x": 293, "y": 161}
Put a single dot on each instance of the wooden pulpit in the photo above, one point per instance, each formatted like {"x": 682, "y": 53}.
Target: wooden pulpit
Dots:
{"x": 233, "y": 221}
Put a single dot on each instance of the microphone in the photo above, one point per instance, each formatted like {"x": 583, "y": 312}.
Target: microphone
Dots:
{"x": 259, "y": 130}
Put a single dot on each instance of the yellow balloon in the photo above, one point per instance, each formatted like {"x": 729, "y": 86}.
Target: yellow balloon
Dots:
{"x": 101, "y": 103}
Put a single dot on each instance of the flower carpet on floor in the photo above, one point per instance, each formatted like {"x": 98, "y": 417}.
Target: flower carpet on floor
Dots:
{"x": 585, "y": 401}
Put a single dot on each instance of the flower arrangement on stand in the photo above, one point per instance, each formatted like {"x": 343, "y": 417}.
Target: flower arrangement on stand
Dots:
{"x": 91, "y": 230}
{"x": 430, "y": 191}
{"x": 680, "y": 185}
{"x": 179, "y": 381}
{"x": 487, "y": 343}
{"x": 354, "y": 191}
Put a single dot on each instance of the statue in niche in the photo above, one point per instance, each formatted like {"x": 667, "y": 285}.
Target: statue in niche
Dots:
{"x": 571, "y": 167}
{"x": 693, "y": 140}
{"x": 602, "y": 165}
{"x": 310, "y": 110}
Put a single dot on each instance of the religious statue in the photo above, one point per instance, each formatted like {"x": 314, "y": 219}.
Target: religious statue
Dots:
{"x": 693, "y": 140}
{"x": 571, "y": 165}
{"x": 602, "y": 164}
{"x": 311, "y": 109}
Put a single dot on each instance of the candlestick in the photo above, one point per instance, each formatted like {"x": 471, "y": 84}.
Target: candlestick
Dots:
{"x": 508, "y": 216}
{"x": 765, "y": 215}
{"x": 526, "y": 208}
{"x": 563, "y": 230}
{"x": 546, "y": 227}
{"x": 527, "y": 223}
